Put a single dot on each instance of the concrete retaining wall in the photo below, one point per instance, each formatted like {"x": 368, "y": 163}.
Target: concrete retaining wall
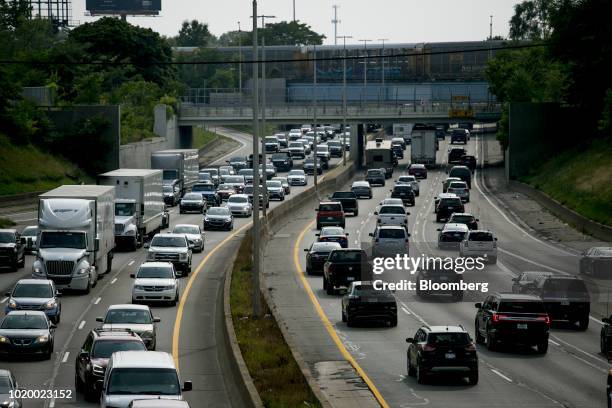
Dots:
{"x": 569, "y": 216}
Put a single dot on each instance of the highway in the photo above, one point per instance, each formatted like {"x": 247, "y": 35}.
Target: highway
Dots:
{"x": 571, "y": 374}
{"x": 188, "y": 330}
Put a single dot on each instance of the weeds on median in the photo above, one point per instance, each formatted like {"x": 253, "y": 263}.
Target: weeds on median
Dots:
{"x": 277, "y": 376}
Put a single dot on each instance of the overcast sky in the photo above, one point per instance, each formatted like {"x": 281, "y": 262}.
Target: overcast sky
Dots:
{"x": 397, "y": 20}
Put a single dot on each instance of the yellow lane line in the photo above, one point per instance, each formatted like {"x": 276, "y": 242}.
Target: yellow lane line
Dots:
{"x": 327, "y": 323}
{"x": 179, "y": 313}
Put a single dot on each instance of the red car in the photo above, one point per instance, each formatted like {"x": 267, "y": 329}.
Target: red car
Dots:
{"x": 330, "y": 213}
{"x": 418, "y": 171}
{"x": 334, "y": 234}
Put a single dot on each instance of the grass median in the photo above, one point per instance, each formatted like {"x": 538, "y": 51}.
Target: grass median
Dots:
{"x": 579, "y": 178}
{"x": 276, "y": 374}
{"x": 202, "y": 137}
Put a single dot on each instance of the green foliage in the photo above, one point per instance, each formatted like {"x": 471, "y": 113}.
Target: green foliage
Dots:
{"x": 531, "y": 19}
{"x": 193, "y": 34}
{"x": 6, "y": 223}
{"x": 605, "y": 123}
{"x": 13, "y": 13}
{"x": 138, "y": 100}
{"x": 281, "y": 33}
{"x": 202, "y": 137}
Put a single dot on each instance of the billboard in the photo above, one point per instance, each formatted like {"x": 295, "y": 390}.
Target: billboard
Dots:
{"x": 118, "y": 7}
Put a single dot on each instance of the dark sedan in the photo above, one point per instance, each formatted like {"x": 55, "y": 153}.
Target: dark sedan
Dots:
{"x": 317, "y": 254}
{"x": 218, "y": 218}
{"x": 464, "y": 218}
{"x": 26, "y": 332}
{"x": 334, "y": 234}
{"x": 418, "y": 171}
{"x": 363, "y": 302}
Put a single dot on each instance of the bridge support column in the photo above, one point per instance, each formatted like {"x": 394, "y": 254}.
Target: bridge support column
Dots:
{"x": 185, "y": 135}
{"x": 358, "y": 141}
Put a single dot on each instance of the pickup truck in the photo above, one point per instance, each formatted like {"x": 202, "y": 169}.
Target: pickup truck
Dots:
{"x": 348, "y": 199}
{"x": 344, "y": 266}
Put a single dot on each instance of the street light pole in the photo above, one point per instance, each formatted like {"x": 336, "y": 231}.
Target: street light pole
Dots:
{"x": 294, "y": 11}
{"x": 365, "y": 67}
{"x": 256, "y": 226}
{"x": 382, "y": 59}
{"x": 240, "y": 61}
{"x": 314, "y": 114}
{"x": 344, "y": 37}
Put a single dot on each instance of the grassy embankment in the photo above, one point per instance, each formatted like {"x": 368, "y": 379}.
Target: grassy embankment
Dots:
{"x": 277, "y": 376}
{"x": 202, "y": 137}
{"x": 268, "y": 131}
{"x": 26, "y": 168}
{"x": 580, "y": 179}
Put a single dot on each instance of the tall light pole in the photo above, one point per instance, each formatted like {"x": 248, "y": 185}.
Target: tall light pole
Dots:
{"x": 335, "y": 22}
{"x": 344, "y": 37}
{"x": 256, "y": 227}
{"x": 365, "y": 67}
{"x": 294, "y": 11}
{"x": 240, "y": 61}
{"x": 263, "y": 111}
{"x": 314, "y": 116}
{"x": 382, "y": 60}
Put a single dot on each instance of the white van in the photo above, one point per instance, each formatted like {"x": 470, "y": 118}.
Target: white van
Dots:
{"x": 138, "y": 375}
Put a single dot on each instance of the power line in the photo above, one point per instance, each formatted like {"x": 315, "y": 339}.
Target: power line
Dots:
{"x": 285, "y": 60}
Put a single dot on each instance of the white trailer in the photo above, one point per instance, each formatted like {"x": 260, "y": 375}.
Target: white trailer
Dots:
{"x": 423, "y": 149}
{"x": 379, "y": 155}
{"x": 76, "y": 235}
{"x": 403, "y": 130}
{"x": 139, "y": 206}
{"x": 180, "y": 167}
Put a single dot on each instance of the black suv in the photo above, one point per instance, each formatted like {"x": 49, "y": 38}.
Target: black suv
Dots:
{"x": 405, "y": 193}
{"x": 434, "y": 274}
{"x": 447, "y": 206}
{"x": 442, "y": 349}
{"x": 375, "y": 176}
{"x": 455, "y": 154}
{"x": 343, "y": 267}
{"x": 348, "y": 199}
{"x": 363, "y": 302}
{"x": 12, "y": 250}
{"x": 566, "y": 299}
{"x": 93, "y": 358}
{"x": 282, "y": 161}
{"x": 605, "y": 337}
{"x": 512, "y": 318}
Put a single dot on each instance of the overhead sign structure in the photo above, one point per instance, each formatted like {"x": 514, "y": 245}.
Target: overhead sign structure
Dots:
{"x": 123, "y": 7}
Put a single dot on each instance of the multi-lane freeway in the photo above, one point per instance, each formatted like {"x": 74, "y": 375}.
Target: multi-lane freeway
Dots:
{"x": 189, "y": 330}
{"x": 571, "y": 374}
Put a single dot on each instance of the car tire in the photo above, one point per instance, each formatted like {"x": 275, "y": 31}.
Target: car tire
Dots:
{"x": 318, "y": 226}
{"x": 308, "y": 271}
{"x": 473, "y": 378}
{"x": 14, "y": 266}
{"x": 78, "y": 384}
{"x": 393, "y": 321}
{"x": 88, "y": 288}
{"x": 490, "y": 342}
{"x": 356, "y": 213}
{"x": 438, "y": 219}
{"x": 329, "y": 288}
{"x": 411, "y": 370}
{"x": 343, "y": 316}
{"x": 21, "y": 264}
{"x": 181, "y": 211}
{"x": 493, "y": 260}
{"x": 350, "y": 322}
{"x": 542, "y": 347}
{"x": 477, "y": 336}
{"x": 420, "y": 375}
{"x": 56, "y": 319}
{"x": 583, "y": 323}
{"x": 370, "y": 196}
{"x": 602, "y": 345}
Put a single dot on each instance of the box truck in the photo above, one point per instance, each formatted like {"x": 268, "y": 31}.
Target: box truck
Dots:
{"x": 403, "y": 130}
{"x": 75, "y": 239}
{"x": 379, "y": 156}
{"x": 180, "y": 167}
{"x": 139, "y": 204}
{"x": 423, "y": 149}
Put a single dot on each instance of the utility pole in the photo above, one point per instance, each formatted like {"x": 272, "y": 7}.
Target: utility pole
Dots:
{"x": 263, "y": 113}
{"x": 256, "y": 226}
{"x": 344, "y": 37}
{"x": 240, "y": 61}
{"x": 294, "y": 11}
{"x": 314, "y": 115}
{"x": 335, "y": 22}
{"x": 382, "y": 59}
{"x": 365, "y": 68}
{"x": 490, "y": 27}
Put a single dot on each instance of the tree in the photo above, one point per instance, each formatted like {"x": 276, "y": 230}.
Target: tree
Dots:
{"x": 194, "y": 34}
{"x": 531, "y": 20}
{"x": 13, "y": 13}
{"x": 281, "y": 33}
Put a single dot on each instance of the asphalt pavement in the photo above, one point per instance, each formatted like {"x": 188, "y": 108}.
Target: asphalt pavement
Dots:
{"x": 571, "y": 374}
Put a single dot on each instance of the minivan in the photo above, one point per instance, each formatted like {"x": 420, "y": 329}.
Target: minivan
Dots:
{"x": 463, "y": 172}
{"x": 137, "y": 375}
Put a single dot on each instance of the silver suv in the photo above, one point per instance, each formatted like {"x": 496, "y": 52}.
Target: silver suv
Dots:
{"x": 389, "y": 240}
{"x": 171, "y": 248}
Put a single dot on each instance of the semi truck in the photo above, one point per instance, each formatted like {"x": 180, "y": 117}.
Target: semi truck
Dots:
{"x": 180, "y": 167}
{"x": 403, "y": 130}
{"x": 423, "y": 149}
{"x": 75, "y": 241}
{"x": 379, "y": 156}
{"x": 139, "y": 204}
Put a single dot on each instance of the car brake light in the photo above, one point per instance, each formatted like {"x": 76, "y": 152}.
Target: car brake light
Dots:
{"x": 498, "y": 317}
{"x": 428, "y": 347}
{"x": 470, "y": 347}
{"x": 546, "y": 319}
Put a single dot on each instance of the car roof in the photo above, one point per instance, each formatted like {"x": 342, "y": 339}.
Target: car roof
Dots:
{"x": 155, "y": 264}
{"x": 462, "y": 215}
{"x": 393, "y": 205}
{"x": 11, "y": 230}
{"x": 480, "y": 231}
{"x": 418, "y": 165}
{"x": 142, "y": 359}
{"x": 169, "y": 235}
{"x": 361, "y": 183}
{"x": 239, "y": 195}
{"x": 447, "y": 195}
{"x": 158, "y": 403}
{"x": 459, "y": 167}
{"x": 128, "y": 306}
{"x": 331, "y": 245}
{"x": 391, "y": 227}
{"x": 516, "y": 296}
{"x": 329, "y": 202}
{"x": 34, "y": 282}
{"x": 4, "y": 372}
{"x": 105, "y": 334}
{"x": 445, "y": 329}
{"x": 27, "y": 312}
{"x": 452, "y": 226}
{"x": 602, "y": 251}
{"x": 185, "y": 225}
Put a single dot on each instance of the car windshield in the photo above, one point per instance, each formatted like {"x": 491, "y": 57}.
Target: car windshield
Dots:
{"x": 176, "y": 242}
{"x": 246, "y": 172}
{"x": 368, "y": 290}
{"x": 237, "y": 160}
{"x": 324, "y": 246}
{"x": 128, "y": 316}
{"x": 5, "y": 385}
{"x": 392, "y": 210}
{"x": 218, "y": 211}
{"x": 296, "y": 144}
{"x": 452, "y": 236}
{"x": 168, "y": 189}
{"x": 345, "y": 256}
{"x": 238, "y": 200}
{"x": 192, "y": 196}
{"x": 334, "y": 144}
{"x": 135, "y": 381}
{"x": 481, "y": 236}
{"x": 321, "y": 148}
{"x": 204, "y": 176}
{"x": 125, "y": 209}
{"x": 155, "y": 272}
{"x": 273, "y": 183}
{"x": 24, "y": 290}
{"x": 203, "y": 187}
{"x": 402, "y": 189}
{"x": 281, "y": 156}
{"x": 407, "y": 179}
{"x": 186, "y": 229}
{"x": 24, "y": 321}
{"x": 225, "y": 187}
{"x": 394, "y": 233}
{"x": 450, "y": 201}
{"x": 449, "y": 339}
{"x": 327, "y": 231}
{"x": 212, "y": 172}
{"x": 105, "y": 348}
{"x": 7, "y": 238}
{"x": 518, "y": 306}
{"x": 462, "y": 219}
{"x": 456, "y": 184}
{"x": 30, "y": 232}
{"x": 330, "y": 207}
{"x": 374, "y": 172}
{"x": 564, "y": 288}
{"x": 56, "y": 239}
{"x": 296, "y": 173}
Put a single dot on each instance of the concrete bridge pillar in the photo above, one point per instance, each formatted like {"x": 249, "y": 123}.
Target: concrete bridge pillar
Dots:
{"x": 358, "y": 141}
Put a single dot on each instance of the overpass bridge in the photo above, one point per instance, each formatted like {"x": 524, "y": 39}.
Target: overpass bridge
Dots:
{"x": 293, "y": 113}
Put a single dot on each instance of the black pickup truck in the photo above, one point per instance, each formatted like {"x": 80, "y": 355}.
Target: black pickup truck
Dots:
{"x": 282, "y": 161}
{"x": 345, "y": 266}
{"x": 348, "y": 199}
{"x": 566, "y": 299}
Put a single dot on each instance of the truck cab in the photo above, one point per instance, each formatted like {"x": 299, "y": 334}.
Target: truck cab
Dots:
{"x": 126, "y": 224}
